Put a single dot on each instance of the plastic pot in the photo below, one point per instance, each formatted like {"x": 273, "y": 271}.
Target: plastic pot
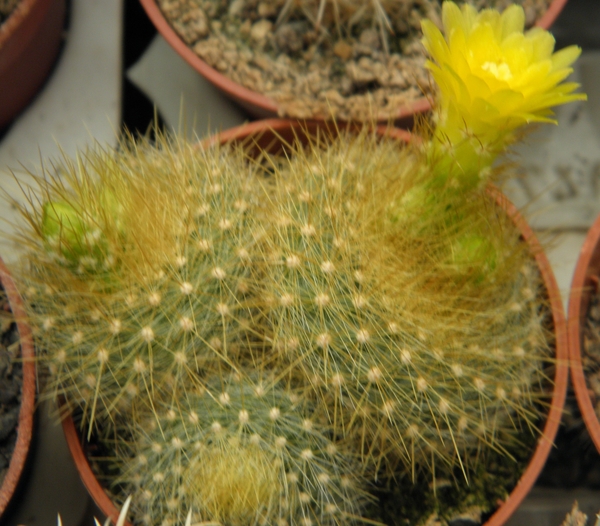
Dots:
{"x": 29, "y": 43}
{"x": 262, "y": 106}
{"x": 25, "y": 423}
{"x": 268, "y": 134}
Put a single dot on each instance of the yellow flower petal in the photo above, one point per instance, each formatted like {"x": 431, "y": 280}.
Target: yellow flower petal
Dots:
{"x": 485, "y": 55}
{"x": 512, "y": 21}
{"x": 565, "y": 57}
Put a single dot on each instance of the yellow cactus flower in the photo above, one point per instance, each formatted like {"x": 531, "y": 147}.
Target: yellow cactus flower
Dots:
{"x": 493, "y": 77}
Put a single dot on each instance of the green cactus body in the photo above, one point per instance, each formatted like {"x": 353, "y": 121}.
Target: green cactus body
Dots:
{"x": 162, "y": 299}
{"x": 416, "y": 352}
{"x": 239, "y": 453}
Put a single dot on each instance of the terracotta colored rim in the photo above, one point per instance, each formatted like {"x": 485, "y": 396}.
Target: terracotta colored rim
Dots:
{"x": 25, "y": 429}
{"x": 29, "y": 44}
{"x": 585, "y": 282}
{"x": 546, "y": 440}
{"x": 262, "y": 106}
{"x": 266, "y": 133}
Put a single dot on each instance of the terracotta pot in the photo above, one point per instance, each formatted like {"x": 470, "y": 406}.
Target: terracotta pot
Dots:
{"x": 584, "y": 284}
{"x": 25, "y": 425}
{"x": 262, "y": 106}
{"x": 29, "y": 44}
{"x": 269, "y": 134}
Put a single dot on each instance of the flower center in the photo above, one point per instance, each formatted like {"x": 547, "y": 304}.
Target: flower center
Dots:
{"x": 500, "y": 70}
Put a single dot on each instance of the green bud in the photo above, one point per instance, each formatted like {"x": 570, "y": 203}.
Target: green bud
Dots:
{"x": 64, "y": 229}
{"x": 474, "y": 252}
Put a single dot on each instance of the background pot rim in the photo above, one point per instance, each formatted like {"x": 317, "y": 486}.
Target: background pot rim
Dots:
{"x": 553, "y": 418}
{"x": 261, "y": 105}
{"x": 582, "y": 285}
{"x": 15, "y": 19}
{"x": 27, "y": 410}
{"x": 29, "y": 45}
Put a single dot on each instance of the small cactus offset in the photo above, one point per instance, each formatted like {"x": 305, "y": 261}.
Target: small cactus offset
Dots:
{"x": 238, "y": 452}
{"x": 135, "y": 274}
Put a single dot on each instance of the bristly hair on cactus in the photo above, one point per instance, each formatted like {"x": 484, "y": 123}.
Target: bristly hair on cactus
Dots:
{"x": 420, "y": 330}
{"x": 135, "y": 273}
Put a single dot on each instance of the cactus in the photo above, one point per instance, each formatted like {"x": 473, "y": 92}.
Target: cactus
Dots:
{"x": 128, "y": 299}
{"x": 238, "y": 452}
{"x": 387, "y": 321}
{"x": 231, "y": 323}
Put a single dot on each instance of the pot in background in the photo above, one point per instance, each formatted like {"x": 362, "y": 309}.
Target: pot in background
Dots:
{"x": 584, "y": 284}
{"x": 261, "y": 106}
{"x": 25, "y": 423}
{"x": 29, "y": 44}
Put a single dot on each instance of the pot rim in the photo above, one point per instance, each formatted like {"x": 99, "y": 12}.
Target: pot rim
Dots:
{"x": 582, "y": 285}
{"x": 15, "y": 19}
{"x": 27, "y": 410}
{"x": 260, "y": 104}
{"x": 553, "y": 418}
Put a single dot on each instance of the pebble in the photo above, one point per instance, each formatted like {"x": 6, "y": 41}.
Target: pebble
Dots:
{"x": 236, "y": 7}
{"x": 343, "y": 50}
{"x": 470, "y": 517}
{"x": 370, "y": 37}
{"x": 362, "y": 72}
{"x": 267, "y": 9}
{"x": 194, "y": 24}
{"x": 260, "y": 30}
{"x": 245, "y": 28}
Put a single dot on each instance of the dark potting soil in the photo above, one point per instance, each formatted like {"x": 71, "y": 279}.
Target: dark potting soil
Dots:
{"x": 11, "y": 381}
{"x": 6, "y": 8}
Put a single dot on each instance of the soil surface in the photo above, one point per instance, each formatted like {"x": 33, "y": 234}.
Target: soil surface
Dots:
{"x": 367, "y": 69}
{"x": 6, "y": 8}
{"x": 11, "y": 381}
